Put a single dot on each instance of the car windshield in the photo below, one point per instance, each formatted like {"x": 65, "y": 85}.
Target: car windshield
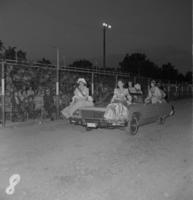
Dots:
{"x": 105, "y": 100}
{"x": 137, "y": 98}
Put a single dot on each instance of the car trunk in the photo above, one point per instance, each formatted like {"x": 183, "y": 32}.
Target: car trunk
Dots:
{"x": 93, "y": 113}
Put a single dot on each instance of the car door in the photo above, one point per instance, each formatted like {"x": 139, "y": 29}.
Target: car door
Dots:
{"x": 151, "y": 113}
{"x": 164, "y": 109}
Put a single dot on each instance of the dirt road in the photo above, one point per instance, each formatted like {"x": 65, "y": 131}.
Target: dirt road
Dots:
{"x": 63, "y": 162}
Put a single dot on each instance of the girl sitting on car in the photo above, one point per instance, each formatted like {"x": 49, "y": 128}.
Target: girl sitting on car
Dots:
{"x": 155, "y": 95}
{"x": 117, "y": 109}
{"x": 81, "y": 98}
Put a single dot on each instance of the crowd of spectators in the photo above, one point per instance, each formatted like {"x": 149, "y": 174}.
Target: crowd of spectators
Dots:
{"x": 29, "y": 103}
{"x": 31, "y": 94}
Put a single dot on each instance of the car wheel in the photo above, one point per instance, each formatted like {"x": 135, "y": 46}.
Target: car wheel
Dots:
{"x": 133, "y": 126}
{"x": 172, "y": 112}
{"x": 88, "y": 128}
{"x": 162, "y": 120}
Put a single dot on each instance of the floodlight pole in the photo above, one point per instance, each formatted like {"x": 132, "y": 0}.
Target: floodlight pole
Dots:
{"x": 104, "y": 47}
{"x": 105, "y": 27}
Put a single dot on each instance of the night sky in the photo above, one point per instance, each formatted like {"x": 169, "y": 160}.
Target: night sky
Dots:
{"x": 160, "y": 28}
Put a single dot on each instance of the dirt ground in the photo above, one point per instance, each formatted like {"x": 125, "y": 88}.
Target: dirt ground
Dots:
{"x": 57, "y": 161}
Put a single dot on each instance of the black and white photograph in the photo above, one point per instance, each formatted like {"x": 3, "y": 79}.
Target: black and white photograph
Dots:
{"x": 96, "y": 100}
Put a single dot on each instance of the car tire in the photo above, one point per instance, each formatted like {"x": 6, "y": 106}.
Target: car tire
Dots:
{"x": 172, "y": 112}
{"x": 162, "y": 120}
{"x": 88, "y": 128}
{"x": 133, "y": 125}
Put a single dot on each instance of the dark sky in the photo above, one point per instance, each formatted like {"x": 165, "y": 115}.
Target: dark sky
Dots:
{"x": 160, "y": 28}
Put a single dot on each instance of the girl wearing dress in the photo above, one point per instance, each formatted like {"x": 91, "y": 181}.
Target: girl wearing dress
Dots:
{"x": 81, "y": 98}
{"x": 155, "y": 95}
{"x": 117, "y": 109}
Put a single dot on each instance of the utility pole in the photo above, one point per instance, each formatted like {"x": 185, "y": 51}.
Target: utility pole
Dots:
{"x": 57, "y": 80}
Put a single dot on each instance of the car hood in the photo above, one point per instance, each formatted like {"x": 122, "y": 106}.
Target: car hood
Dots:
{"x": 92, "y": 112}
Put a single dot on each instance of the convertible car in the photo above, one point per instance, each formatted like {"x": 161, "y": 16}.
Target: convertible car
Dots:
{"x": 139, "y": 114}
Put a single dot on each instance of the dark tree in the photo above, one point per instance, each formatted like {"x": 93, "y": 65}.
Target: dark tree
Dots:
{"x": 10, "y": 53}
{"x": 2, "y": 49}
{"x": 125, "y": 64}
{"x": 138, "y": 61}
{"x": 1, "y": 46}
{"x": 21, "y": 55}
{"x": 44, "y": 61}
{"x": 150, "y": 69}
{"x": 188, "y": 77}
{"x": 169, "y": 72}
{"x": 138, "y": 64}
{"x": 85, "y": 64}
{"x": 181, "y": 78}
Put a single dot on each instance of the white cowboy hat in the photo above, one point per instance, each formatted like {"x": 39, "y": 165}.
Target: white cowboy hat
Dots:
{"x": 81, "y": 80}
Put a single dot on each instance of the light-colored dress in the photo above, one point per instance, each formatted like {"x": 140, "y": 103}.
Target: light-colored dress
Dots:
{"x": 155, "y": 95}
{"x": 117, "y": 109}
{"x": 80, "y": 99}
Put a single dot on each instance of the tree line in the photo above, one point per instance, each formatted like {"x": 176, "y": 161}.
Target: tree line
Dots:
{"x": 137, "y": 64}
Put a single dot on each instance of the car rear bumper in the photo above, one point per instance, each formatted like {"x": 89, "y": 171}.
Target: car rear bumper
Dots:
{"x": 97, "y": 123}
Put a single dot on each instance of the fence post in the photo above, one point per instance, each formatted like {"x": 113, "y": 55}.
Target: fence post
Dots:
{"x": 92, "y": 85}
{"x": 177, "y": 89}
{"x": 168, "y": 89}
{"x": 134, "y": 79}
{"x": 3, "y": 93}
{"x": 183, "y": 90}
{"x": 116, "y": 79}
{"x": 57, "y": 85}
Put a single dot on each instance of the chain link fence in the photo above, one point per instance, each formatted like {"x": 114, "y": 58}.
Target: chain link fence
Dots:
{"x": 28, "y": 91}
